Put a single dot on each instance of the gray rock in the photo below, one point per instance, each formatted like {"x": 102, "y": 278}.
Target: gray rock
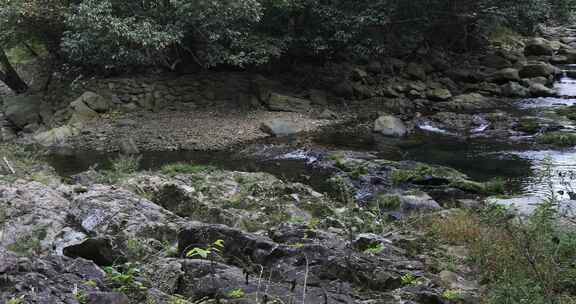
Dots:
{"x": 57, "y": 136}
{"x": 416, "y": 71}
{"x": 280, "y": 127}
{"x": 495, "y": 61}
{"x": 537, "y": 69}
{"x": 112, "y": 217}
{"x": 278, "y": 102}
{"x": 95, "y": 102}
{"x": 506, "y": 75}
{"x": 34, "y": 217}
{"x": 540, "y": 90}
{"x": 22, "y": 110}
{"x": 81, "y": 113}
{"x": 514, "y": 89}
{"x": 328, "y": 114}
{"x": 472, "y": 98}
{"x": 439, "y": 94}
{"x": 417, "y": 202}
{"x": 55, "y": 278}
{"x": 559, "y": 59}
{"x": 389, "y": 125}
{"x": 359, "y": 74}
{"x": 538, "y": 47}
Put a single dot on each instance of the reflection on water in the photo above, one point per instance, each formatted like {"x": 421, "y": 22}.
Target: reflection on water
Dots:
{"x": 552, "y": 172}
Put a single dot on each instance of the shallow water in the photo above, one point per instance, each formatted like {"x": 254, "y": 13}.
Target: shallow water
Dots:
{"x": 480, "y": 158}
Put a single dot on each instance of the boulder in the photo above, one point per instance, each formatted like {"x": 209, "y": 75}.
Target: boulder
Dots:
{"x": 22, "y": 110}
{"x": 389, "y": 125}
{"x": 284, "y": 103}
{"x": 439, "y": 94}
{"x": 514, "y": 89}
{"x": 33, "y": 218}
{"x": 57, "y": 136}
{"x": 416, "y": 71}
{"x": 538, "y": 47}
{"x": 540, "y": 90}
{"x": 417, "y": 202}
{"x": 55, "y": 279}
{"x": 506, "y": 75}
{"x": 537, "y": 69}
{"x": 81, "y": 113}
{"x": 110, "y": 218}
{"x": 471, "y": 98}
{"x": 559, "y": 59}
{"x": 280, "y": 127}
{"x": 95, "y": 102}
{"x": 495, "y": 61}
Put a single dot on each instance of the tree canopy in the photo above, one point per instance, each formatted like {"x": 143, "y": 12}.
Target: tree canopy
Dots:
{"x": 116, "y": 34}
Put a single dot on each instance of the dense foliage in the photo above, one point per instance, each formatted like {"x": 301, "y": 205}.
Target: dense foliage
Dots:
{"x": 99, "y": 34}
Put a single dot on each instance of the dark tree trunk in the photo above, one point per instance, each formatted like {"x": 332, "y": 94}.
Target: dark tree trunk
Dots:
{"x": 9, "y": 76}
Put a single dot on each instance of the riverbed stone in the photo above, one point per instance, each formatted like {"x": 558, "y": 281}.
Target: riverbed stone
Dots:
{"x": 537, "y": 69}
{"x": 33, "y": 218}
{"x": 95, "y": 102}
{"x": 280, "y": 127}
{"x": 540, "y": 90}
{"x": 81, "y": 113}
{"x": 57, "y": 136}
{"x": 284, "y": 103}
{"x": 389, "y": 125}
{"x": 22, "y": 110}
{"x": 514, "y": 89}
{"x": 538, "y": 47}
{"x": 506, "y": 75}
{"x": 439, "y": 94}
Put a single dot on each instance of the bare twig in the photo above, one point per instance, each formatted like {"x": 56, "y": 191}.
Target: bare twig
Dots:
{"x": 9, "y": 166}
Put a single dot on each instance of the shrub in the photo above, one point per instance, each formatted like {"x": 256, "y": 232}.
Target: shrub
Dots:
{"x": 522, "y": 261}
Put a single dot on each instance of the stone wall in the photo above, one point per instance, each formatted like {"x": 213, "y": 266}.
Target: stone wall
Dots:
{"x": 154, "y": 93}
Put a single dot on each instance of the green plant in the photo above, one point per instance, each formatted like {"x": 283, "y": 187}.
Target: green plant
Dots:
{"x": 374, "y": 249}
{"x": 214, "y": 248}
{"x": 121, "y": 167}
{"x": 388, "y": 202}
{"x": 185, "y": 168}
{"x": 19, "y": 300}
{"x": 90, "y": 283}
{"x": 236, "y": 293}
{"x": 451, "y": 295}
{"x": 410, "y": 279}
{"x": 124, "y": 277}
{"x": 81, "y": 297}
{"x": 135, "y": 250}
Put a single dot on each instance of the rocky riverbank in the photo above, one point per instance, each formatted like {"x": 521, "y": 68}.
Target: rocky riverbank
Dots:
{"x": 216, "y": 236}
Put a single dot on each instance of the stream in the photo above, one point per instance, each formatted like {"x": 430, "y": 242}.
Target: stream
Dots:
{"x": 517, "y": 159}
